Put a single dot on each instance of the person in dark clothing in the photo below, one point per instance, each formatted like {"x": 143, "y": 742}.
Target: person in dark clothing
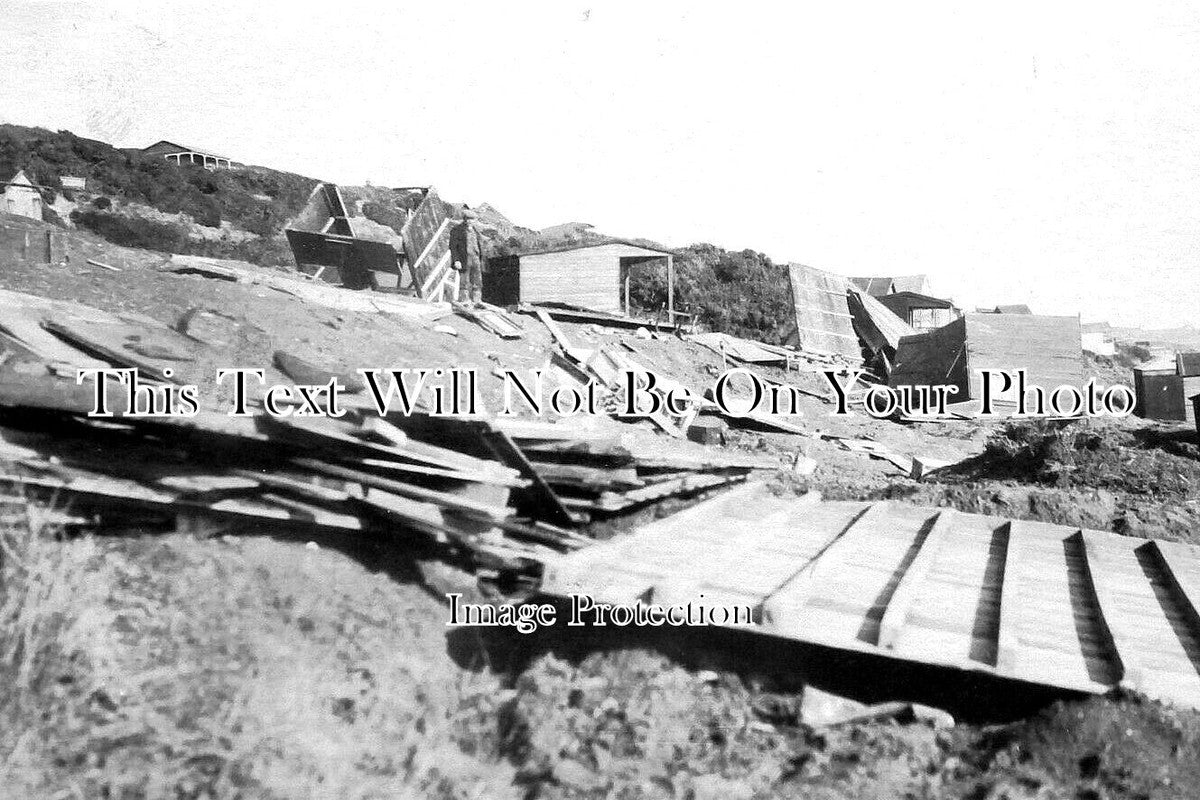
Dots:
{"x": 466, "y": 252}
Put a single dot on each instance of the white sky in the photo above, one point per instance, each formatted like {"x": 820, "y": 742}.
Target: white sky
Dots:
{"x": 1016, "y": 152}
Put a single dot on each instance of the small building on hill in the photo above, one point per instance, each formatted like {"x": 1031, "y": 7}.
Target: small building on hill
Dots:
{"x": 922, "y": 312}
{"x": 593, "y": 275}
{"x": 22, "y": 198}
{"x": 182, "y": 154}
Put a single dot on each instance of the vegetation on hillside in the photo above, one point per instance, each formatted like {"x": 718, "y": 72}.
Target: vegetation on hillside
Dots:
{"x": 252, "y": 199}
{"x": 743, "y": 293}
{"x": 740, "y": 292}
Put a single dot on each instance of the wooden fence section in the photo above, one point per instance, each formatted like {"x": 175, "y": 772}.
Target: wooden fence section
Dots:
{"x": 1047, "y": 604}
{"x": 427, "y": 247}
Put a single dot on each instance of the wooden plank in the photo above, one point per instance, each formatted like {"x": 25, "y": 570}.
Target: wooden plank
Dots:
{"x": 669, "y": 488}
{"x": 508, "y": 452}
{"x": 472, "y": 508}
{"x": 108, "y": 340}
{"x": 555, "y": 331}
{"x": 790, "y": 598}
{"x": 597, "y": 479}
{"x": 900, "y": 605}
{"x": 433, "y": 240}
{"x": 29, "y": 332}
{"x": 1182, "y": 568}
{"x": 1114, "y": 626}
{"x": 1012, "y": 610}
{"x": 491, "y": 319}
{"x": 437, "y": 277}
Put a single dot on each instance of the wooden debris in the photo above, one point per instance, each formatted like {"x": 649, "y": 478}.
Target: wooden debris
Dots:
{"x": 922, "y": 466}
{"x": 706, "y": 430}
{"x": 505, "y": 492}
{"x": 111, "y": 341}
{"x": 874, "y": 450}
{"x": 575, "y": 314}
{"x": 1008, "y": 601}
{"x": 491, "y": 318}
{"x": 307, "y": 373}
{"x": 93, "y": 262}
{"x": 508, "y": 452}
{"x": 308, "y": 291}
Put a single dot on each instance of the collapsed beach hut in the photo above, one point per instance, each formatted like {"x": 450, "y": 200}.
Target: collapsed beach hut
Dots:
{"x": 881, "y": 286}
{"x": 879, "y": 329}
{"x": 360, "y": 253}
{"x": 921, "y": 311}
{"x": 1048, "y": 348}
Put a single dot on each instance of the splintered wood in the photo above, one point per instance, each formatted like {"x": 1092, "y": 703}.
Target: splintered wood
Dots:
{"x": 1046, "y": 604}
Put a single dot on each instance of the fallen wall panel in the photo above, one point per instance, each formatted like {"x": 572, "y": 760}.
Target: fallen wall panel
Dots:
{"x": 1054, "y": 605}
{"x": 823, "y": 323}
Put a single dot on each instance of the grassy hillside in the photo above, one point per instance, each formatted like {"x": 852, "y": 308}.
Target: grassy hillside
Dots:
{"x": 145, "y": 202}
{"x": 253, "y": 202}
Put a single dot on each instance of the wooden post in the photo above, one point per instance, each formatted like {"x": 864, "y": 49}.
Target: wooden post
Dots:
{"x": 671, "y": 289}
{"x": 626, "y": 293}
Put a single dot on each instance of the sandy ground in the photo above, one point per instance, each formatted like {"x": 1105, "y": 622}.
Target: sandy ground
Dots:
{"x": 242, "y": 665}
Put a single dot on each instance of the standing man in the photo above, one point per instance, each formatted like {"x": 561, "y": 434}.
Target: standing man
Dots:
{"x": 466, "y": 251}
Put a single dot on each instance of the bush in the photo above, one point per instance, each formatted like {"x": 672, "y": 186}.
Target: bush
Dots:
{"x": 742, "y": 293}
{"x": 133, "y": 231}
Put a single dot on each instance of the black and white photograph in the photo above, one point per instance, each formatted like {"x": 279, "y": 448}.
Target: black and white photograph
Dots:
{"x": 578, "y": 400}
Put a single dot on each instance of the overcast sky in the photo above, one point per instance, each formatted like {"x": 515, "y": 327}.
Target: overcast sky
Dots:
{"x": 1038, "y": 153}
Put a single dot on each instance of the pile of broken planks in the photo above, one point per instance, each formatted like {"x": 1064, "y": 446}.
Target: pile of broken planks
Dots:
{"x": 596, "y": 474}
{"x": 491, "y": 318}
{"x": 605, "y": 366}
{"x": 359, "y": 475}
{"x": 498, "y": 495}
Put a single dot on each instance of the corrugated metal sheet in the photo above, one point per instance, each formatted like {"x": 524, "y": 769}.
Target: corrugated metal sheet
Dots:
{"x": 823, "y": 320}
{"x": 1048, "y": 604}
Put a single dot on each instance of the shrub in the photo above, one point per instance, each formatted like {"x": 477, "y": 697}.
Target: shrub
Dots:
{"x": 742, "y": 293}
{"x": 132, "y": 231}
